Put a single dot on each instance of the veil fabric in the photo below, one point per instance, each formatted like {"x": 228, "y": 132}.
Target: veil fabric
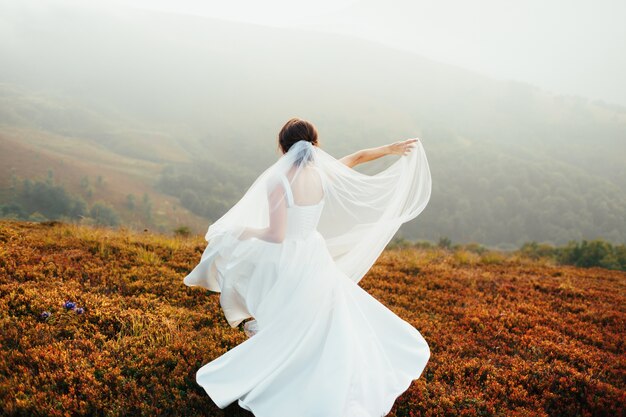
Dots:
{"x": 360, "y": 216}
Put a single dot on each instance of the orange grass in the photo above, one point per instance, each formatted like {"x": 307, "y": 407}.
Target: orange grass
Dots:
{"x": 508, "y": 336}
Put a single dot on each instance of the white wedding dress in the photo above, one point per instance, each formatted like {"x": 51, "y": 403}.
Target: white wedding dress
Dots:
{"x": 319, "y": 345}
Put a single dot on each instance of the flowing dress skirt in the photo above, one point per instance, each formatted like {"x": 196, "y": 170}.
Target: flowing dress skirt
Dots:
{"x": 323, "y": 347}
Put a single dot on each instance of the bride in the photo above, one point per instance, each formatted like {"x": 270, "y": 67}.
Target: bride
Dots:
{"x": 288, "y": 258}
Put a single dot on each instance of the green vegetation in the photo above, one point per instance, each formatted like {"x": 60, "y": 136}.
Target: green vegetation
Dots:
{"x": 204, "y": 187}
{"x": 104, "y": 214}
{"x": 130, "y": 201}
{"x": 183, "y": 231}
{"x": 41, "y": 200}
{"x": 504, "y": 195}
{"x": 52, "y": 201}
{"x": 584, "y": 254}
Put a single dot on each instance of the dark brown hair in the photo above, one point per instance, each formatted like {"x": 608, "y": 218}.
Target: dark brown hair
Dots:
{"x": 294, "y": 130}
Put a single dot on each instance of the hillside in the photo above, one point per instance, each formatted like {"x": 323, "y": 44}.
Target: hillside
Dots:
{"x": 191, "y": 107}
{"x": 508, "y": 336}
{"x": 94, "y": 156}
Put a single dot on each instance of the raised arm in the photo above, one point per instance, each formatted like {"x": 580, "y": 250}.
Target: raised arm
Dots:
{"x": 364, "y": 155}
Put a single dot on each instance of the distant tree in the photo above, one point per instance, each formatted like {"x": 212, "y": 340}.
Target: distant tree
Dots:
{"x": 536, "y": 250}
{"x": 13, "y": 210}
{"x": 189, "y": 199}
{"x": 52, "y": 201}
{"x": 27, "y": 187}
{"x": 14, "y": 183}
{"x": 586, "y": 254}
{"x": 104, "y": 214}
{"x": 205, "y": 187}
{"x": 147, "y": 206}
{"x": 184, "y": 231}
{"x": 130, "y": 201}
{"x": 444, "y": 242}
{"x": 77, "y": 208}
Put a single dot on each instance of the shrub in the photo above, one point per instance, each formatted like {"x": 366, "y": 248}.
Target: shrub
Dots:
{"x": 444, "y": 242}
{"x": 595, "y": 253}
{"x": 103, "y": 214}
{"x": 492, "y": 257}
{"x": 183, "y": 231}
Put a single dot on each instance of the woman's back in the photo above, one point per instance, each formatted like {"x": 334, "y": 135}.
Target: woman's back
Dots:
{"x": 307, "y": 188}
{"x": 305, "y": 202}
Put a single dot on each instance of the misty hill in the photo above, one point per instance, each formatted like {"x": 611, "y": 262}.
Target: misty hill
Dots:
{"x": 200, "y": 101}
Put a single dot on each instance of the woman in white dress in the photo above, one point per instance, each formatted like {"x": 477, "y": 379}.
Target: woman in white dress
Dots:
{"x": 289, "y": 255}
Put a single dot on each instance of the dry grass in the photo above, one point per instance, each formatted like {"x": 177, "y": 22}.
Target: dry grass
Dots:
{"x": 508, "y": 336}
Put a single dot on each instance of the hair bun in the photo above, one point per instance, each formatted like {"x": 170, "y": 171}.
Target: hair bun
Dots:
{"x": 295, "y": 130}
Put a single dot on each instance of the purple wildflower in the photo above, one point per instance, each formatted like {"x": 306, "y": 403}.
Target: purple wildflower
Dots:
{"x": 69, "y": 305}
{"x": 80, "y": 310}
{"x": 45, "y": 315}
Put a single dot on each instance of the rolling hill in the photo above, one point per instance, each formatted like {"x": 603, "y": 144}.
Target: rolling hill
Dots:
{"x": 190, "y": 107}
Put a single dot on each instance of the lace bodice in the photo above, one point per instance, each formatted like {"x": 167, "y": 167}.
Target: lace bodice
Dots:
{"x": 302, "y": 220}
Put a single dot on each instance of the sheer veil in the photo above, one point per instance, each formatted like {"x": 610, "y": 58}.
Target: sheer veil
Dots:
{"x": 360, "y": 216}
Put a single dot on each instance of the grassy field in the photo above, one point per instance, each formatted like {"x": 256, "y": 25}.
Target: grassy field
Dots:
{"x": 509, "y": 336}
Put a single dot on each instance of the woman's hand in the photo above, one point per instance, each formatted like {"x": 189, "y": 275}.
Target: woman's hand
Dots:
{"x": 402, "y": 147}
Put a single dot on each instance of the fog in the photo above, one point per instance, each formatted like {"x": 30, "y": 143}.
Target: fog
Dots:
{"x": 166, "y": 116}
{"x": 571, "y": 47}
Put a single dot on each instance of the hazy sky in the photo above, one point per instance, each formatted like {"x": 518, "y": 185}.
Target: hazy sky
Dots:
{"x": 565, "y": 46}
